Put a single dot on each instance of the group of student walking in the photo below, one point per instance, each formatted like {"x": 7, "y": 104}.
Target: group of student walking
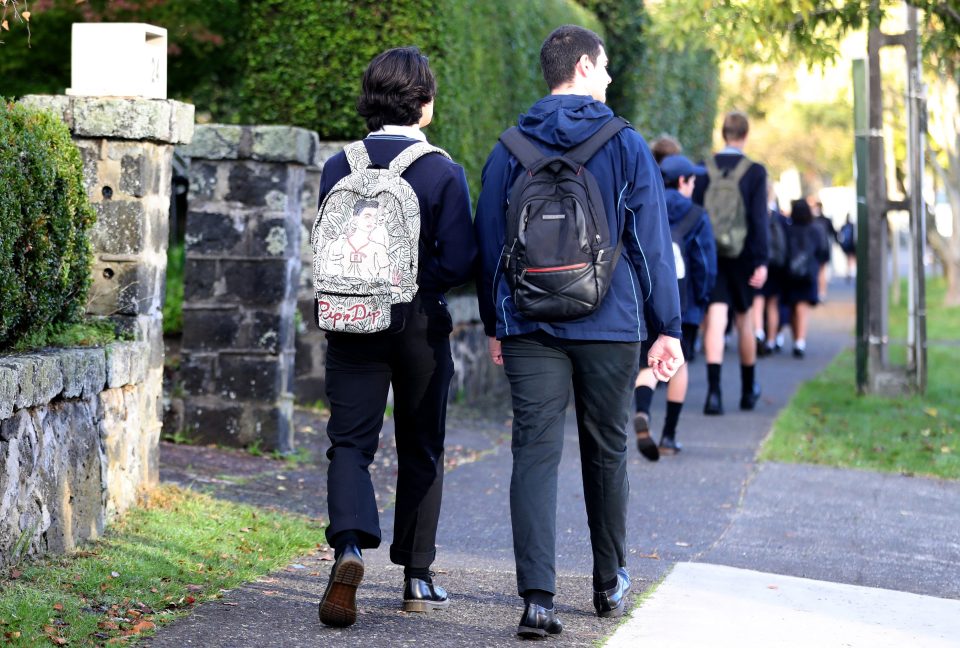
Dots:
{"x": 596, "y": 261}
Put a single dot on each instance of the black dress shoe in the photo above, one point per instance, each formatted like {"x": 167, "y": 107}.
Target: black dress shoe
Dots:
{"x": 537, "y": 621}
{"x": 611, "y": 602}
{"x": 714, "y": 404}
{"x": 749, "y": 399}
{"x": 422, "y": 596}
{"x": 338, "y": 607}
{"x": 645, "y": 443}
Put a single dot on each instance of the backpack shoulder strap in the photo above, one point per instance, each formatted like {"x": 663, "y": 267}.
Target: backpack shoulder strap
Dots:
{"x": 413, "y": 153}
{"x": 740, "y": 170}
{"x": 589, "y": 147}
{"x": 713, "y": 170}
{"x": 689, "y": 221}
{"x": 357, "y": 156}
{"x": 521, "y": 147}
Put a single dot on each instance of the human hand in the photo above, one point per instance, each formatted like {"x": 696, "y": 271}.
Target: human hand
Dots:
{"x": 665, "y": 357}
{"x": 496, "y": 353}
{"x": 759, "y": 277}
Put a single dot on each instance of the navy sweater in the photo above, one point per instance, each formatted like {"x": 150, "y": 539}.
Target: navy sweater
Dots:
{"x": 753, "y": 187}
{"x": 448, "y": 248}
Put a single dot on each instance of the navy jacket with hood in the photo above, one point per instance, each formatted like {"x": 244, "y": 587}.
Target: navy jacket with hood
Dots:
{"x": 701, "y": 256}
{"x": 632, "y": 191}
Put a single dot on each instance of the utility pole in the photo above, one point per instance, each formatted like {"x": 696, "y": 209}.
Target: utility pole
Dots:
{"x": 874, "y": 373}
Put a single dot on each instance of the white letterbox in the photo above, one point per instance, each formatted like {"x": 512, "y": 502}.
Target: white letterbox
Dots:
{"x": 119, "y": 60}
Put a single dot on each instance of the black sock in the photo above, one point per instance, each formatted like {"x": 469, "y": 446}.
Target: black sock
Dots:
{"x": 713, "y": 377}
{"x": 341, "y": 540}
{"x": 423, "y": 573}
{"x": 538, "y": 597}
{"x": 643, "y": 396}
{"x": 746, "y": 378}
{"x": 670, "y": 422}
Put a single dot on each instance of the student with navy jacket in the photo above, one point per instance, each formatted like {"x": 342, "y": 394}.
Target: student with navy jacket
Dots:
{"x": 599, "y": 352}
{"x": 695, "y": 253}
{"x": 396, "y": 100}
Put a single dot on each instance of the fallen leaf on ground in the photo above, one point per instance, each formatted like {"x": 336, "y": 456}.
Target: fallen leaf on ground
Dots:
{"x": 194, "y": 588}
{"x": 58, "y": 607}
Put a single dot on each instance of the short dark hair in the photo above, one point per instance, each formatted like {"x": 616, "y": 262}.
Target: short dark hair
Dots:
{"x": 395, "y": 86}
{"x": 672, "y": 184}
{"x": 800, "y": 212}
{"x": 664, "y": 145}
{"x": 563, "y": 48}
{"x": 735, "y": 126}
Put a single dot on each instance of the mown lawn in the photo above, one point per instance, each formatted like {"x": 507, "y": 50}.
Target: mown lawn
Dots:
{"x": 827, "y": 423}
{"x": 177, "y": 550}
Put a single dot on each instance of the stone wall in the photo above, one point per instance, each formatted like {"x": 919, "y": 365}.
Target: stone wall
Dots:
{"x": 77, "y": 443}
{"x": 241, "y": 275}
{"x": 80, "y": 428}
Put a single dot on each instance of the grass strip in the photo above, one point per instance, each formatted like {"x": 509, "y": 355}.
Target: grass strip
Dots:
{"x": 178, "y": 549}
{"x": 827, "y": 423}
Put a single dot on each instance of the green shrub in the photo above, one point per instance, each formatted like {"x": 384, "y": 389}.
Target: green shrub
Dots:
{"x": 304, "y": 66}
{"x": 680, "y": 95}
{"x": 45, "y": 255}
{"x": 173, "y": 293}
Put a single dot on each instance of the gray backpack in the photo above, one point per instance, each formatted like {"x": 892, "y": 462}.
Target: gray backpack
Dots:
{"x": 724, "y": 202}
{"x": 366, "y": 242}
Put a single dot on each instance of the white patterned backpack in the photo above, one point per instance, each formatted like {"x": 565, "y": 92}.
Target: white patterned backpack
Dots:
{"x": 365, "y": 243}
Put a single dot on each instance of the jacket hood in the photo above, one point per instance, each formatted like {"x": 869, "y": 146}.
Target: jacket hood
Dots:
{"x": 563, "y": 121}
{"x": 677, "y": 205}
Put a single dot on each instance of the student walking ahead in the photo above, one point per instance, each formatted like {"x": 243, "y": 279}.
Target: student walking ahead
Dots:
{"x": 417, "y": 221}
{"x": 695, "y": 255}
{"x": 734, "y": 192}
{"x": 546, "y": 260}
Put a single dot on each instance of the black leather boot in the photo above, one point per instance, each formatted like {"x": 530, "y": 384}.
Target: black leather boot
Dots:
{"x": 422, "y": 596}
{"x": 338, "y": 607}
{"x": 537, "y": 621}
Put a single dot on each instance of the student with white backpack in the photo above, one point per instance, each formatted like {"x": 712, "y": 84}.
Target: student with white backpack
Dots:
{"x": 393, "y": 234}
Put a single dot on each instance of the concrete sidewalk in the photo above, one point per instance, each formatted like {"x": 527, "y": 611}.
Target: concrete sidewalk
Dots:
{"x": 711, "y": 504}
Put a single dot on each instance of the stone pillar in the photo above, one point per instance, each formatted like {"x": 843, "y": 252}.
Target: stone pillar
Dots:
{"x": 311, "y": 345}
{"x": 127, "y": 147}
{"x": 240, "y": 282}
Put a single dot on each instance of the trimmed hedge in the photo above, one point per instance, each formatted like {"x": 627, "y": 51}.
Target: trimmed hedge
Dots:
{"x": 680, "y": 97}
{"x": 304, "y": 66}
{"x": 45, "y": 255}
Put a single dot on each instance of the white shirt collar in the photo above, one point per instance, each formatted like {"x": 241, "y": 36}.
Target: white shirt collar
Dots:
{"x": 412, "y": 132}
{"x": 731, "y": 150}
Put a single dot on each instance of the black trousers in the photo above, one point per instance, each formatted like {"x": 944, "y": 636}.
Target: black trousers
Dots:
{"x": 540, "y": 368}
{"x": 360, "y": 370}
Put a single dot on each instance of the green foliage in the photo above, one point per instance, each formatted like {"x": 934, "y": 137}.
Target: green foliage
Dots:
{"x": 625, "y": 25}
{"x": 205, "y": 47}
{"x": 45, "y": 255}
{"x": 151, "y": 567}
{"x": 679, "y": 98}
{"x": 304, "y": 67}
{"x": 173, "y": 295}
{"x": 87, "y": 333}
{"x": 778, "y": 30}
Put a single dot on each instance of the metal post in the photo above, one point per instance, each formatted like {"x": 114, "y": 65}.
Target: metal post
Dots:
{"x": 916, "y": 112}
{"x": 861, "y": 172}
{"x": 876, "y": 268}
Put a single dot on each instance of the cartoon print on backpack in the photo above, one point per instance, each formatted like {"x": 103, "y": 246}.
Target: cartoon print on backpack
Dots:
{"x": 361, "y": 250}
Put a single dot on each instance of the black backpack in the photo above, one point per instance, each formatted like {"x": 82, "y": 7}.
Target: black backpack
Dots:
{"x": 778, "y": 241}
{"x": 681, "y": 257}
{"x": 558, "y": 254}
{"x": 801, "y": 265}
